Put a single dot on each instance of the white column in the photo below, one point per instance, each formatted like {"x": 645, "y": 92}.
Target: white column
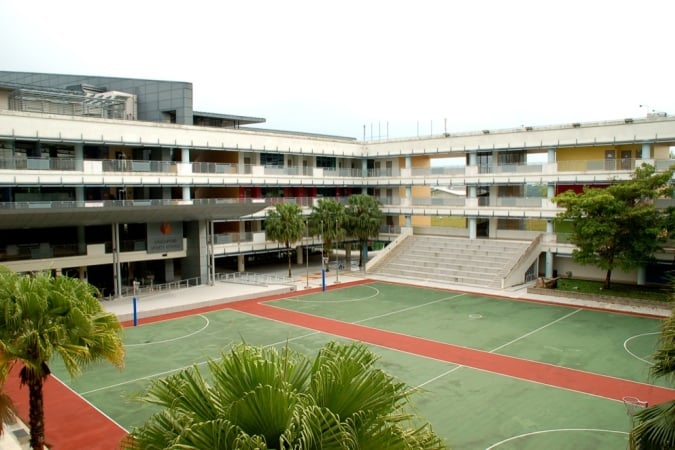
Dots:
{"x": 472, "y": 228}
{"x": 641, "y": 276}
{"x": 646, "y": 151}
{"x": 117, "y": 269}
{"x": 185, "y": 158}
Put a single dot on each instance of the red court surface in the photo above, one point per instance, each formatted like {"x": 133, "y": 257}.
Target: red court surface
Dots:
{"x": 71, "y": 423}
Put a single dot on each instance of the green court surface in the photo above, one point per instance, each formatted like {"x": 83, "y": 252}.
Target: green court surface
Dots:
{"x": 470, "y": 408}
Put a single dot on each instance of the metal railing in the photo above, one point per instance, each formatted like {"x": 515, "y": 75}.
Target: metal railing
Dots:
{"x": 257, "y": 279}
{"x": 152, "y": 288}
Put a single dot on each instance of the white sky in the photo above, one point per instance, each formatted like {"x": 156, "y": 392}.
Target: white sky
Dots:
{"x": 334, "y": 67}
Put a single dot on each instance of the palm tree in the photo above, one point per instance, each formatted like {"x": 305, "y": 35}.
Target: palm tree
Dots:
{"x": 654, "y": 427}
{"x": 42, "y": 316}
{"x": 328, "y": 219}
{"x": 263, "y": 398}
{"x": 364, "y": 218}
{"x": 284, "y": 224}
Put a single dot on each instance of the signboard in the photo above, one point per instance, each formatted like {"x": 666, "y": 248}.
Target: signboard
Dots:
{"x": 165, "y": 237}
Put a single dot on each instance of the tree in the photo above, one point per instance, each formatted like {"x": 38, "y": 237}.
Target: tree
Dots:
{"x": 42, "y": 316}
{"x": 258, "y": 397}
{"x": 328, "y": 220}
{"x": 364, "y": 218}
{"x": 285, "y": 225}
{"x": 654, "y": 427}
{"x": 619, "y": 226}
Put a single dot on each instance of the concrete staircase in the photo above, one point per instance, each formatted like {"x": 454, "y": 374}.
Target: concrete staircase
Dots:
{"x": 471, "y": 262}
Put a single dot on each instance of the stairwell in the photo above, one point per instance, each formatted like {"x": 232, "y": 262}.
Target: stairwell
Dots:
{"x": 470, "y": 262}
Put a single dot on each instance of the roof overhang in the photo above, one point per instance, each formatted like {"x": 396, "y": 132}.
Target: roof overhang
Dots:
{"x": 102, "y": 213}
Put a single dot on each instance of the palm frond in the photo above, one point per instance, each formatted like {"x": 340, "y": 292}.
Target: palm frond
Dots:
{"x": 654, "y": 428}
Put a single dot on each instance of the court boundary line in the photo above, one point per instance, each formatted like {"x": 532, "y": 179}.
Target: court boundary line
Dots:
{"x": 142, "y": 344}
{"x": 198, "y": 363}
{"x": 553, "y": 430}
{"x": 625, "y": 346}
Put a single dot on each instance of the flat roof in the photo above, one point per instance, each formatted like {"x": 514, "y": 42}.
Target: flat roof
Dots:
{"x": 230, "y": 117}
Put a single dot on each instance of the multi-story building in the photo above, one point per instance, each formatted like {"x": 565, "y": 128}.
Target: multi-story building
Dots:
{"x": 116, "y": 180}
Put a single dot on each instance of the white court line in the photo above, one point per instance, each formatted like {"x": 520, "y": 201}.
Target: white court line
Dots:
{"x": 438, "y": 377}
{"x": 501, "y": 347}
{"x": 625, "y": 346}
{"x": 421, "y": 305}
{"x": 176, "y": 338}
{"x": 557, "y": 430}
{"x": 167, "y": 372}
{"x": 534, "y": 331}
{"x": 351, "y": 300}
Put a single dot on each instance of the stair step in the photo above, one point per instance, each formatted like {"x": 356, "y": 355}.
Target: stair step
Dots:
{"x": 460, "y": 261}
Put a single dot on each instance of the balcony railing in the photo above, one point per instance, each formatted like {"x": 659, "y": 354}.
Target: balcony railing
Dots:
{"x": 153, "y": 166}
{"x": 208, "y": 167}
{"x": 598, "y": 165}
{"x": 129, "y": 203}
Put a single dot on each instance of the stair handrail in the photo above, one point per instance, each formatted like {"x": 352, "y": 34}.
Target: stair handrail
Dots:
{"x": 382, "y": 254}
{"x": 524, "y": 257}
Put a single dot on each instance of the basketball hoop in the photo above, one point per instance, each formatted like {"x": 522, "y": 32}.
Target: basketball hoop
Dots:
{"x": 634, "y": 405}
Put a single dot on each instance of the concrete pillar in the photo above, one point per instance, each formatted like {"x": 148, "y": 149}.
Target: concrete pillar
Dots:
{"x": 83, "y": 273}
{"x": 641, "y": 276}
{"x": 472, "y": 159}
{"x": 117, "y": 268}
{"x": 408, "y": 221}
{"x": 408, "y": 162}
{"x": 494, "y": 195}
{"x": 551, "y": 155}
{"x": 492, "y": 227}
{"x": 550, "y": 191}
{"x": 81, "y": 240}
{"x": 646, "y": 151}
{"x": 185, "y": 158}
{"x": 168, "y": 271}
{"x": 472, "y": 228}
{"x": 79, "y": 197}
{"x": 196, "y": 263}
{"x": 364, "y": 167}
{"x": 241, "y": 264}
{"x": 79, "y": 152}
{"x": 300, "y": 252}
{"x": 548, "y": 271}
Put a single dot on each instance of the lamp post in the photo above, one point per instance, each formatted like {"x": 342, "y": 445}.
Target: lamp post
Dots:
{"x": 337, "y": 259}
{"x": 307, "y": 253}
{"x": 323, "y": 268}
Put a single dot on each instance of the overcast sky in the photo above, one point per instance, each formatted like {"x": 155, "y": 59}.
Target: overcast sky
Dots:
{"x": 389, "y": 67}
